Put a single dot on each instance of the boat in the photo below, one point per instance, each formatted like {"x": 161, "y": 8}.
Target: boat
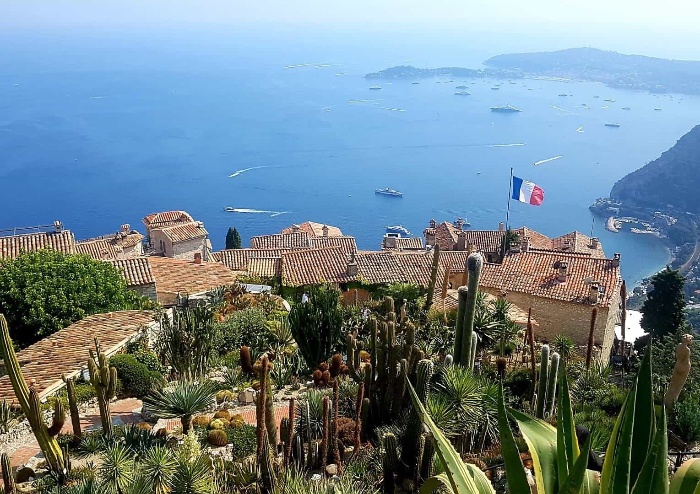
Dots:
{"x": 612, "y": 124}
{"x": 463, "y": 93}
{"x": 596, "y": 96}
{"x": 563, "y": 94}
{"x": 374, "y": 88}
{"x": 398, "y": 229}
{"x": 495, "y": 88}
{"x": 505, "y": 109}
{"x": 415, "y": 82}
{"x": 609, "y": 100}
{"x": 657, "y": 109}
{"x": 386, "y": 191}
{"x": 626, "y": 108}
{"x": 461, "y": 87}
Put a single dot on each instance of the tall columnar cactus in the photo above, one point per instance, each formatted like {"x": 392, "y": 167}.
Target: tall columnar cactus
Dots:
{"x": 29, "y": 402}
{"x": 263, "y": 441}
{"x": 104, "y": 379}
{"x": 73, "y": 406}
{"x": 391, "y": 358}
{"x": 356, "y": 439}
{"x": 589, "y": 351}
{"x": 412, "y": 437}
{"x": 472, "y": 350}
{"x": 463, "y": 337}
{"x": 433, "y": 277}
{"x": 531, "y": 344}
{"x": 543, "y": 381}
{"x": 623, "y": 315}
{"x": 552, "y": 383}
{"x": 326, "y": 432}
{"x": 289, "y": 437}
{"x": 8, "y": 479}
{"x": 390, "y": 462}
{"x": 336, "y": 439}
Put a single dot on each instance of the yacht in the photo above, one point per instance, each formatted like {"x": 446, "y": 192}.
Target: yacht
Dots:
{"x": 626, "y": 108}
{"x": 386, "y": 191}
{"x": 657, "y": 109}
{"x": 463, "y": 93}
{"x": 415, "y": 82}
{"x": 609, "y": 100}
{"x": 612, "y": 124}
{"x": 374, "y": 88}
{"x": 461, "y": 87}
{"x": 505, "y": 109}
{"x": 398, "y": 229}
{"x": 495, "y": 88}
{"x": 563, "y": 94}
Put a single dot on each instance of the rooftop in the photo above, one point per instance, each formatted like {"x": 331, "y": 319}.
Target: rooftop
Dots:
{"x": 345, "y": 242}
{"x": 13, "y": 245}
{"x": 166, "y": 218}
{"x": 175, "y": 276}
{"x": 185, "y": 231}
{"x": 313, "y": 229}
{"x": 315, "y": 266}
{"x": 67, "y": 350}
{"x": 109, "y": 246}
{"x": 238, "y": 259}
{"x": 136, "y": 270}
{"x": 402, "y": 243}
{"x": 297, "y": 240}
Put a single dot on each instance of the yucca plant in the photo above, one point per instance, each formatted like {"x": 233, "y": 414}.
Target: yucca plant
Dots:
{"x": 117, "y": 469}
{"x": 193, "y": 477}
{"x": 183, "y": 401}
{"x": 158, "y": 466}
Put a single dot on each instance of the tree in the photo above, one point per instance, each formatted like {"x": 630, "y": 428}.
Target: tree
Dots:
{"x": 663, "y": 310}
{"x": 183, "y": 401}
{"x": 233, "y": 239}
{"x": 317, "y": 325}
{"x": 44, "y": 291}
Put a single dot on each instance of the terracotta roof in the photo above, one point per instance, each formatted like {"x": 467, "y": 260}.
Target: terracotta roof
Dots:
{"x": 314, "y": 266}
{"x": 484, "y": 240}
{"x": 403, "y": 243}
{"x": 346, "y": 242}
{"x": 267, "y": 267}
{"x": 11, "y": 247}
{"x": 579, "y": 243}
{"x": 281, "y": 240}
{"x": 175, "y": 276}
{"x": 136, "y": 270}
{"x": 456, "y": 259}
{"x": 313, "y": 229}
{"x": 535, "y": 273}
{"x": 446, "y": 235}
{"x": 167, "y": 218}
{"x": 537, "y": 240}
{"x": 102, "y": 250}
{"x": 237, "y": 259}
{"x": 185, "y": 231}
{"x": 67, "y": 350}
{"x": 516, "y": 314}
{"x": 396, "y": 267}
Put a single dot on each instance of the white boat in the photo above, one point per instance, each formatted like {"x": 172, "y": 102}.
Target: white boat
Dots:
{"x": 415, "y": 82}
{"x": 609, "y": 100}
{"x": 461, "y": 87}
{"x": 463, "y": 93}
{"x": 626, "y": 108}
{"x": 386, "y": 191}
{"x": 611, "y": 124}
{"x": 374, "y": 88}
{"x": 505, "y": 109}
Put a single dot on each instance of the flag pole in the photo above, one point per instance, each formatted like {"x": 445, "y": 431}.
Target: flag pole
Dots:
{"x": 510, "y": 194}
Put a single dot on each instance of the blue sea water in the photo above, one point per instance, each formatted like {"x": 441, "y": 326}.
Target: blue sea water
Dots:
{"x": 101, "y": 129}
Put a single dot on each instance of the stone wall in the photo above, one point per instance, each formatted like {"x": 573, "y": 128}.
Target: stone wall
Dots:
{"x": 180, "y": 250}
{"x": 570, "y": 319}
{"x": 148, "y": 291}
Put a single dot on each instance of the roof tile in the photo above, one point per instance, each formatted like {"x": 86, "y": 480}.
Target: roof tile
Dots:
{"x": 13, "y": 246}
{"x": 136, "y": 271}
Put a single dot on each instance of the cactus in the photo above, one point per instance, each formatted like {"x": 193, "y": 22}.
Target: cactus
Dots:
{"x": 358, "y": 418}
{"x": 336, "y": 440}
{"x": 262, "y": 437}
{"x": 589, "y": 351}
{"x": 73, "y": 406}
{"x": 217, "y": 437}
{"x": 29, "y": 402}
{"x": 467, "y": 308}
{"x": 246, "y": 360}
{"x": 531, "y": 343}
{"x": 552, "y": 383}
{"x": 433, "y": 277}
{"x": 336, "y": 365}
{"x": 543, "y": 381}
{"x": 104, "y": 379}
{"x": 311, "y": 461}
{"x": 326, "y": 432}
{"x": 59, "y": 418}
{"x": 472, "y": 350}
{"x": 623, "y": 316}
{"x": 267, "y": 473}
{"x": 366, "y": 418}
{"x": 8, "y": 479}
{"x": 262, "y": 369}
{"x": 390, "y": 462}
{"x": 426, "y": 464}
{"x": 288, "y": 439}
{"x": 412, "y": 437}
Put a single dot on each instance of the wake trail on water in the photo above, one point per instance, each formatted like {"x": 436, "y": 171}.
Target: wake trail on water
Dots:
{"x": 536, "y": 163}
{"x": 238, "y": 172}
{"x": 506, "y": 145}
{"x": 256, "y": 211}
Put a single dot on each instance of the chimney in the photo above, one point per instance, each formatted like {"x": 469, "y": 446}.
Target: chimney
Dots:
{"x": 461, "y": 241}
{"x": 616, "y": 260}
{"x": 57, "y": 226}
{"x": 566, "y": 245}
{"x": 562, "y": 271}
{"x": 352, "y": 266}
{"x": 295, "y": 228}
{"x": 525, "y": 244}
{"x": 432, "y": 223}
{"x": 501, "y": 227}
{"x": 389, "y": 242}
{"x": 197, "y": 258}
{"x": 325, "y": 231}
{"x": 594, "y": 293}
{"x": 126, "y": 228}
{"x": 459, "y": 224}
{"x": 594, "y": 243}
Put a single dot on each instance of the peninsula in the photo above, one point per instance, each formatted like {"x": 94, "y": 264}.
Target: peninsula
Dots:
{"x": 613, "y": 69}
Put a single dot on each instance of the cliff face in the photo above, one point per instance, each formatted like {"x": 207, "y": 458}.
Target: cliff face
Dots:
{"x": 672, "y": 179}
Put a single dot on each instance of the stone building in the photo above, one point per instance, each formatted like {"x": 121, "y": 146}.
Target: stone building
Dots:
{"x": 314, "y": 229}
{"x": 176, "y": 234}
{"x": 124, "y": 244}
{"x": 138, "y": 276}
{"x": 18, "y": 240}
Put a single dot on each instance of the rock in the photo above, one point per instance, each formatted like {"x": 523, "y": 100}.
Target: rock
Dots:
{"x": 24, "y": 474}
{"x": 316, "y": 477}
{"x": 247, "y": 396}
{"x": 332, "y": 470}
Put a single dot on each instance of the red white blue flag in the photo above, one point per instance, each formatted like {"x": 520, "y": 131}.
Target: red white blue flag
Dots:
{"x": 527, "y": 192}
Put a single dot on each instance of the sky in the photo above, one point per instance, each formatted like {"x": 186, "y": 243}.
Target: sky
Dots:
{"x": 651, "y": 27}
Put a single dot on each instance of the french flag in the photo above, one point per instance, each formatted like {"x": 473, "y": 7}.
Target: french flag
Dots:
{"x": 527, "y": 192}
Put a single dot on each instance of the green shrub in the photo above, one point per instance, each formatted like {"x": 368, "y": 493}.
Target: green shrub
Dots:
{"x": 135, "y": 378}
{"x": 611, "y": 400}
{"x": 84, "y": 392}
{"x": 150, "y": 360}
{"x": 519, "y": 384}
{"x": 243, "y": 441}
{"x": 685, "y": 419}
{"x": 247, "y": 327}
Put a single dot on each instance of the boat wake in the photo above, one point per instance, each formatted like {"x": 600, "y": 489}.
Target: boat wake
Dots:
{"x": 506, "y": 145}
{"x": 390, "y": 109}
{"x": 238, "y": 172}
{"x": 536, "y": 163}
{"x": 255, "y": 211}
{"x": 314, "y": 65}
{"x": 580, "y": 129}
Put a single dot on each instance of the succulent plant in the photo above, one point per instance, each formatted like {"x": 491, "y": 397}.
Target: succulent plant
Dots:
{"x": 217, "y": 437}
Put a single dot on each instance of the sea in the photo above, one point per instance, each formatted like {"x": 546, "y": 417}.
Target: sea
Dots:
{"x": 98, "y": 129}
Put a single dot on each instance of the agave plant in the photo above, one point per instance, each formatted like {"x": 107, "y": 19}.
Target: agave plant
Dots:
{"x": 117, "y": 470}
{"x": 158, "y": 467}
{"x": 183, "y": 401}
{"x": 193, "y": 477}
